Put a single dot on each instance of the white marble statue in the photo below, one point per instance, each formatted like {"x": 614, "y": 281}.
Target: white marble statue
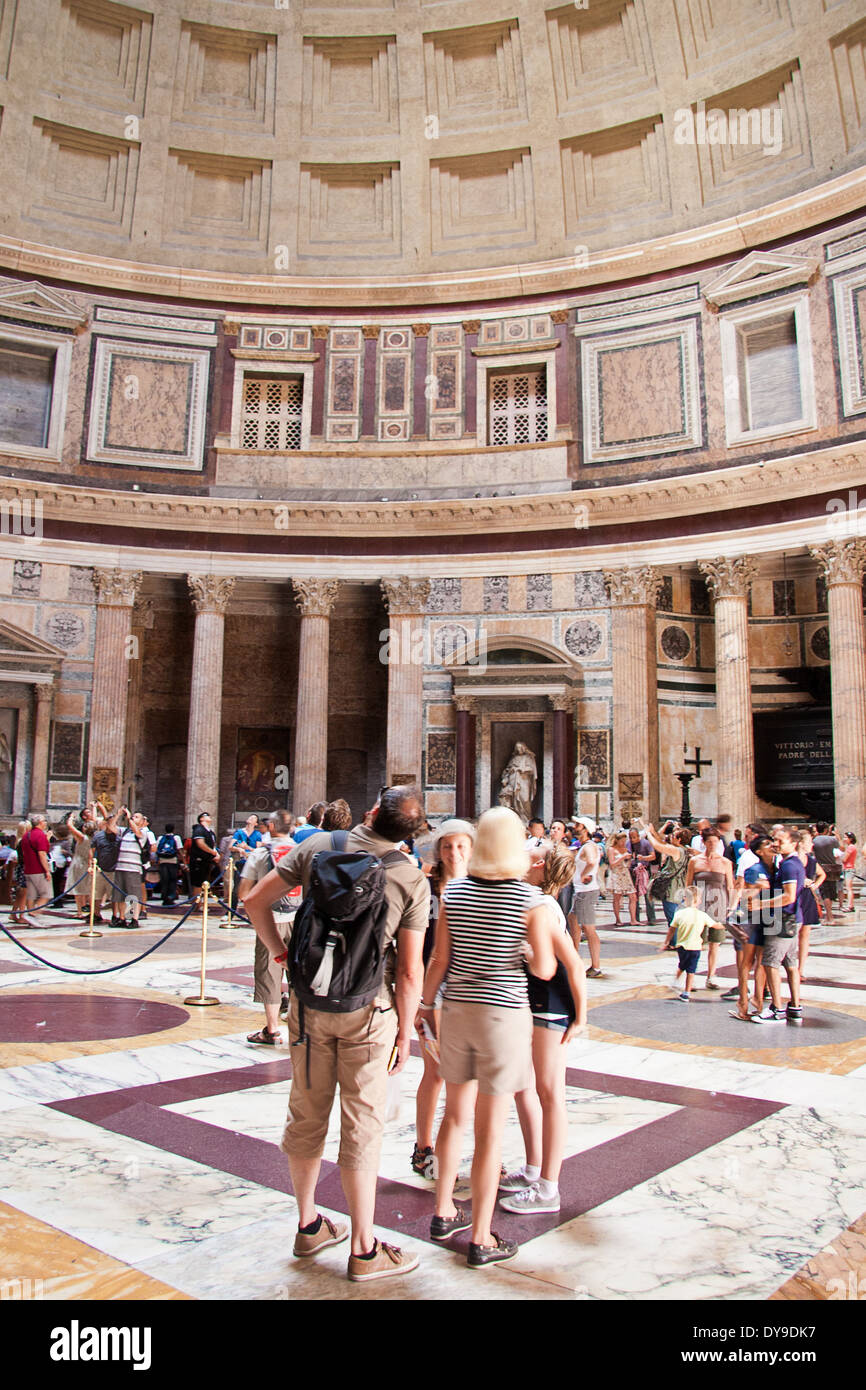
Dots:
{"x": 519, "y": 781}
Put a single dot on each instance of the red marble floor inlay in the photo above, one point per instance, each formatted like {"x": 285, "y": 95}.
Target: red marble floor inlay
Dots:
{"x": 50, "y": 1018}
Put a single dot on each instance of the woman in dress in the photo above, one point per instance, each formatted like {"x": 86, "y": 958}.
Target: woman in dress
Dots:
{"x": 485, "y": 1030}
{"x": 81, "y": 863}
{"x": 621, "y": 881}
{"x": 452, "y": 846}
{"x": 713, "y": 875}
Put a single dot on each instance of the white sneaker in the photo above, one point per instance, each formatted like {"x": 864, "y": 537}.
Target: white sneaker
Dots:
{"x": 529, "y": 1201}
{"x": 515, "y": 1182}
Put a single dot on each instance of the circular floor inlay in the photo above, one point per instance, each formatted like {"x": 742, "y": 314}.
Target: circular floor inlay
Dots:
{"x": 132, "y": 943}
{"x": 49, "y": 1018}
{"x": 696, "y": 1024}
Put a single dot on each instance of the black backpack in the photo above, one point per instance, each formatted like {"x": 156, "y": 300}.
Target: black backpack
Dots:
{"x": 106, "y": 848}
{"x": 337, "y": 954}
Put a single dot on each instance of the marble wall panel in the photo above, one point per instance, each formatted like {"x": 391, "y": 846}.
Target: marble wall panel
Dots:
{"x": 69, "y": 705}
{"x": 586, "y": 638}
{"x": 441, "y": 764}
{"x": 440, "y": 803}
{"x": 695, "y": 726}
{"x": 26, "y": 578}
{"x": 677, "y": 643}
{"x": 81, "y": 582}
{"x": 593, "y": 755}
{"x": 67, "y": 628}
{"x": 67, "y": 750}
{"x": 496, "y": 594}
{"x": 343, "y": 401}
{"x": 774, "y": 645}
{"x": 473, "y": 594}
{"x": 817, "y": 643}
{"x": 55, "y": 582}
{"x": 149, "y": 404}
{"x": 441, "y": 715}
{"x": 591, "y": 714}
{"x": 445, "y": 596}
{"x": 641, "y": 392}
{"x": 589, "y": 590}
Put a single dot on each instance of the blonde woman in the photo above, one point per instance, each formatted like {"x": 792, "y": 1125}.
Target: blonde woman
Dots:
{"x": 485, "y": 1030}
{"x": 452, "y": 846}
{"x": 620, "y": 877}
{"x": 558, "y": 1012}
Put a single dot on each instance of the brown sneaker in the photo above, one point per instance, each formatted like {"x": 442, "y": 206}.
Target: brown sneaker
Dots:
{"x": 387, "y": 1261}
{"x": 329, "y": 1233}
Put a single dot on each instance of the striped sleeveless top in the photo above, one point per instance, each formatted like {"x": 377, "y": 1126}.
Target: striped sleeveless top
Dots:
{"x": 487, "y": 925}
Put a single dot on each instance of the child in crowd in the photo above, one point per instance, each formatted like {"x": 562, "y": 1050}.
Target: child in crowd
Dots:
{"x": 688, "y": 928}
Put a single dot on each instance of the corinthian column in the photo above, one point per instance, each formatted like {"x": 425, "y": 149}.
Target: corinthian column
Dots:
{"x": 842, "y": 564}
{"x": 210, "y": 597}
{"x": 407, "y": 601}
{"x": 112, "y": 650}
{"x": 44, "y": 694}
{"x": 315, "y": 599}
{"x": 729, "y": 582}
{"x": 635, "y": 705}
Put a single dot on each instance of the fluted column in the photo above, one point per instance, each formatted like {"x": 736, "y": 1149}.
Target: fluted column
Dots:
{"x": 842, "y": 563}
{"x": 44, "y": 694}
{"x": 729, "y": 581}
{"x": 465, "y": 800}
{"x": 210, "y": 596}
{"x": 563, "y": 755}
{"x": 116, "y": 591}
{"x": 315, "y": 599}
{"x": 142, "y": 620}
{"x": 635, "y": 707}
{"x": 407, "y": 601}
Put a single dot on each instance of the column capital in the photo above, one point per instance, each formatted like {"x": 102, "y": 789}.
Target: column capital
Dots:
{"x": 729, "y": 577}
{"x": 320, "y": 331}
{"x": 371, "y": 330}
{"x": 471, "y": 325}
{"x": 564, "y": 702}
{"x": 315, "y": 597}
{"x": 142, "y": 613}
{"x": 466, "y": 704}
{"x": 405, "y": 595}
{"x": 633, "y": 585}
{"x": 841, "y": 562}
{"x": 209, "y": 592}
{"x": 421, "y": 330}
{"x": 116, "y": 588}
{"x": 44, "y": 692}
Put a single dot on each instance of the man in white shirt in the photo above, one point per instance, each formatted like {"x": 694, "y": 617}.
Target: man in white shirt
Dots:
{"x": 581, "y": 918}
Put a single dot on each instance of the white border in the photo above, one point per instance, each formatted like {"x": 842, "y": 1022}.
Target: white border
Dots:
{"x": 62, "y": 345}
{"x": 257, "y": 367}
{"x": 485, "y": 365}
{"x": 853, "y": 397}
{"x": 590, "y": 348}
{"x": 729, "y": 331}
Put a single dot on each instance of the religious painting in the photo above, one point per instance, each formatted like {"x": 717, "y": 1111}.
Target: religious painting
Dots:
{"x": 105, "y": 786}
{"x": 592, "y": 755}
{"x": 67, "y": 751}
{"x": 8, "y": 742}
{"x": 505, "y": 736}
{"x": 262, "y": 782}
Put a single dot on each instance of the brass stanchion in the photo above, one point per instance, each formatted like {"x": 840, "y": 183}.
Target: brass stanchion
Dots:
{"x": 202, "y": 997}
{"x": 92, "y": 871}
{"x": 227, "y": 924}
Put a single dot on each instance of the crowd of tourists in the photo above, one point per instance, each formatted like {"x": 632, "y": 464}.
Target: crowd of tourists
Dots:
{"x": 464, "y": 938}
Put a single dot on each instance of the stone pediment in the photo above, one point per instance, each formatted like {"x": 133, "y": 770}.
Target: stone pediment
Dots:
{"x": 19, "y": 647}
{"x": 37, "y": 303}
{"x": 761, "y": 272}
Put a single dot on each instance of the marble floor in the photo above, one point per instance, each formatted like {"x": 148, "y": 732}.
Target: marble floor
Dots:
{"x": 139, "y": 1137}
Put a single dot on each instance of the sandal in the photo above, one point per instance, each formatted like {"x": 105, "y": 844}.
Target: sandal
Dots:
{"x": 264, "y": 1038}
{"x": 744, "y": 1018}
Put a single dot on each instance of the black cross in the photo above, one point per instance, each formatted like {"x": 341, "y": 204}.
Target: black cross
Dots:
{"x": 696, "y": 763}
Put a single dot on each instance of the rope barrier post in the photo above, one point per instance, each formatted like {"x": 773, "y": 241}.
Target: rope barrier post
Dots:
{"x": 92, "y": 871}
{"x": 227, "y": 924}
{"x": 203, "y": 999}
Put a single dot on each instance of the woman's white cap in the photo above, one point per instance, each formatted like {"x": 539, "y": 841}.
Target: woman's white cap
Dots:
{"x": 453, "y": 827}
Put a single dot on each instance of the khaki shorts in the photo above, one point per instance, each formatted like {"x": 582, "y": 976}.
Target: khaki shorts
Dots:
{"x": 268, "y": 975}
{"x": 781, "y": 951}
{"x": 492, "y": 1046}
{"x": 715, "y": 935}
{"x": 38, "y": 886}
{"x": 351, "y": 1051}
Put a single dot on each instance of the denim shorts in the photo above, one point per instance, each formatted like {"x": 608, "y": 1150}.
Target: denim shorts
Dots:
{"x": 559, "y": 1025}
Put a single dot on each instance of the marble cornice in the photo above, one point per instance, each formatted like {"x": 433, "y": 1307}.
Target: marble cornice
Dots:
{"x": 738, "y": 488}
{"x": 729, "y": 236}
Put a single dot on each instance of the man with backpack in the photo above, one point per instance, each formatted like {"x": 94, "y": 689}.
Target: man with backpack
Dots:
{"x": 169, "y": 848}
{"x": 357, "y": 936}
